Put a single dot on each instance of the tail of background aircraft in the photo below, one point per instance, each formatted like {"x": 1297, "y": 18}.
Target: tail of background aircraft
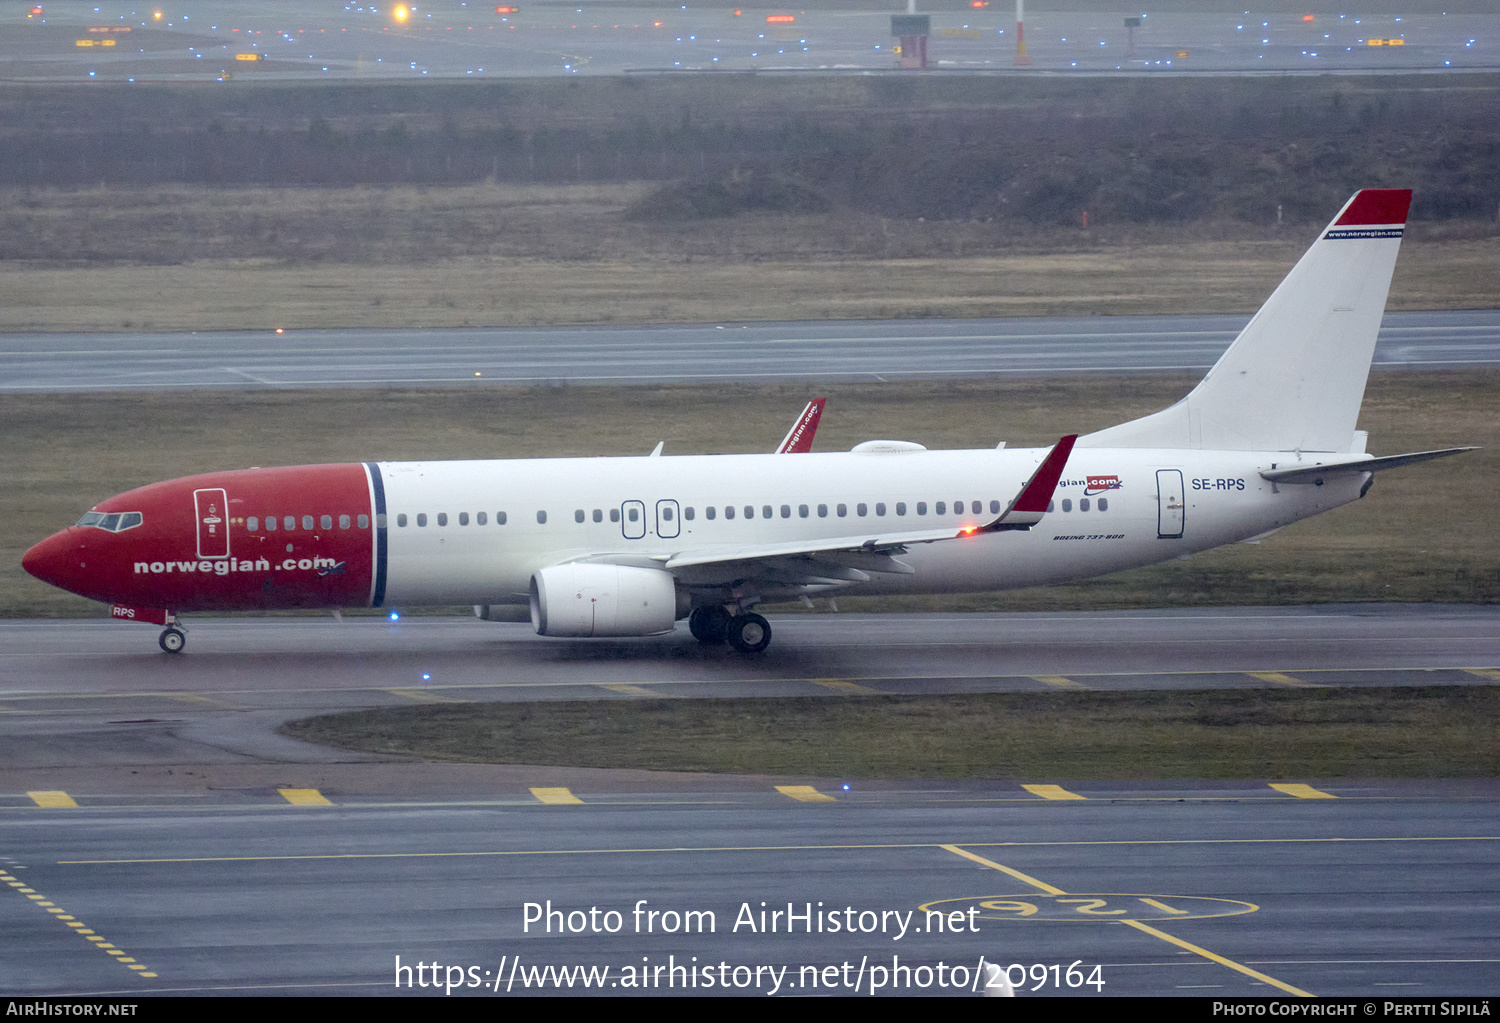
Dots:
{"x": 1294, "y": 378}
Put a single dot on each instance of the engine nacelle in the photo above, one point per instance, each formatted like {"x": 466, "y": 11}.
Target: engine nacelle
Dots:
{"x": 602, "y": 600}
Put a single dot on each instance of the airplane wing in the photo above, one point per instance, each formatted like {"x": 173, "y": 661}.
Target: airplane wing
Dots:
{"x": 799, "y": 438}
{"x": 1318, "y": 473}
{"x": 839, "y": 561}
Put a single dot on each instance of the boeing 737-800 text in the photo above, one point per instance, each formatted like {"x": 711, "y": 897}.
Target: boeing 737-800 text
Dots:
{"x": 630, "y": 546}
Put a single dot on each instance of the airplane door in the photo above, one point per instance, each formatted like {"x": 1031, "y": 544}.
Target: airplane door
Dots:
{"x": 633, "y": 519}
{"x": 1170, "y": 503}
{"x": 667, "y": 525}
{"x": 212, "y": 507}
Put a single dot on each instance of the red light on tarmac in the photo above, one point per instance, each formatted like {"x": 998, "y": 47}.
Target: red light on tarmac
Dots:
{"x": 780, "y": 19}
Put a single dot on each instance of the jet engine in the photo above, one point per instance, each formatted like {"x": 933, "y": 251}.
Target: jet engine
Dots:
{"x": 602, "y": 600}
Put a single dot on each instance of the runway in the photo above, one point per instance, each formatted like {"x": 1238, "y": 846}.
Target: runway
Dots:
{"x": 760, "y": 352}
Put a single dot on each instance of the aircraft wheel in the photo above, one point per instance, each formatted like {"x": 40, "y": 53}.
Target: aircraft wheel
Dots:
{"x": 709, "y": 624}
{"x": 749, "y": 633}
{"x": 172, "y": 641}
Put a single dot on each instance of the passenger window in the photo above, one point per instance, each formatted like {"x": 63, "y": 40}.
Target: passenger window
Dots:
{"x": 401, "y": 520}
{"x": 786, "y": 511}
{"x": 578, "y": 515}
{"x": 802, "y": 511}
{"x": 421, "y": 518}
{"x": 364, "y": 521}
{"x": 860, "y": 509}
{"x": 1104, "y": 504}
{"x": 499, "y": 518}
{"x": 326, "y": 521}
{"x": 900, "y": 507}
{"x": 709, "y": 512}
{"x": 1083, "y": 505}
{"x": 343, "y": 522}
{"x": 1067, "y": 505}
{"x": 541, "y": 518}
{"x": 842, "y": 510}
{"x": 252, "y": 523}
{"x": 480, "y": 518}
{"x": 463, "y": 518}
{"x": 598, "y": 515}
{"x": 307, "y": 522}
{"x": 880, "y": 508}
{"x": 271, "y": 523}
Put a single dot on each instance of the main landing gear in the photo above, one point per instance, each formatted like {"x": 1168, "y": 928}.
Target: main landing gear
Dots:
{"x": 748, "y": 633}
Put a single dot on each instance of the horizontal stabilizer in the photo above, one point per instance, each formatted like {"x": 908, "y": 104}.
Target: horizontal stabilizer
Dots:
{"x": 1318, "y": 473}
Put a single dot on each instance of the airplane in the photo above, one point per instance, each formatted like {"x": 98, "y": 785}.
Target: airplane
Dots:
{"x": 629, "y": 546}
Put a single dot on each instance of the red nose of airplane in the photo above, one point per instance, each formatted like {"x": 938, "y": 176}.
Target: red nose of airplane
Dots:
{"x": 60, "y": 560}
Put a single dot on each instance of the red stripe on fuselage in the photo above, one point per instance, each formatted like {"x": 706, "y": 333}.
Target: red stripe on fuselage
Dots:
{"x": 156, "y": 564}
{"x": 1377, "y": 206}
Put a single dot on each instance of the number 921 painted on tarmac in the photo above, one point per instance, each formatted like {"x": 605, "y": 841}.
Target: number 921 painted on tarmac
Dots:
{"x": 631, "y": 546}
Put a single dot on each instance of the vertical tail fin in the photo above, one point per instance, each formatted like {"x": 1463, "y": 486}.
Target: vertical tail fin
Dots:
{"x": 1294, "y": 378}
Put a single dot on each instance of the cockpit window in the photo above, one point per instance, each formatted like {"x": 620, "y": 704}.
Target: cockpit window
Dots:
{"x": 114, "y": 522}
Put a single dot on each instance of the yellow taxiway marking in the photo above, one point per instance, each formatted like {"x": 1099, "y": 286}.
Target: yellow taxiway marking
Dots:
{"x": 1058, "y": 682}
{"x": 425, "y": 696}
{"x": 804, "y": 794}
{"x": 78, "y": 928}
{"x": 1205, "y": 953}
{"x": 556, "y": 797}
{"x": 1301, "y": 791}
{"x": 1052, "y": 792}
{"x": 1145, "y": 928}
{"x": 53, "y": 799}
{"x": 845, "y": 686}
{"x": 304, "y": 797}
{"x": 1281, "y": 679}
{"x": 1493, "y": 674}
{"x": 628, "y": 689}
{"x": 1013, "y": 872}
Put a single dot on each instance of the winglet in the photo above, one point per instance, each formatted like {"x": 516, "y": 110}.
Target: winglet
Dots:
{"x": 799, "y": 438}
{"x": 1031, "y": 503}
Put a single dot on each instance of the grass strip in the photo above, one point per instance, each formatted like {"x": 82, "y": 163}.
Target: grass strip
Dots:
{"x": 1416, "y": 732}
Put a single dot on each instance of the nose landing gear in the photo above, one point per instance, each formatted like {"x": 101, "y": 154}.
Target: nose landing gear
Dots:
{"x": 172, "y": 639}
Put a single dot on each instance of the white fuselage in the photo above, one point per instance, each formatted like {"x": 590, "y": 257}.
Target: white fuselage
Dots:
{"x": 1155, "y": 505}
